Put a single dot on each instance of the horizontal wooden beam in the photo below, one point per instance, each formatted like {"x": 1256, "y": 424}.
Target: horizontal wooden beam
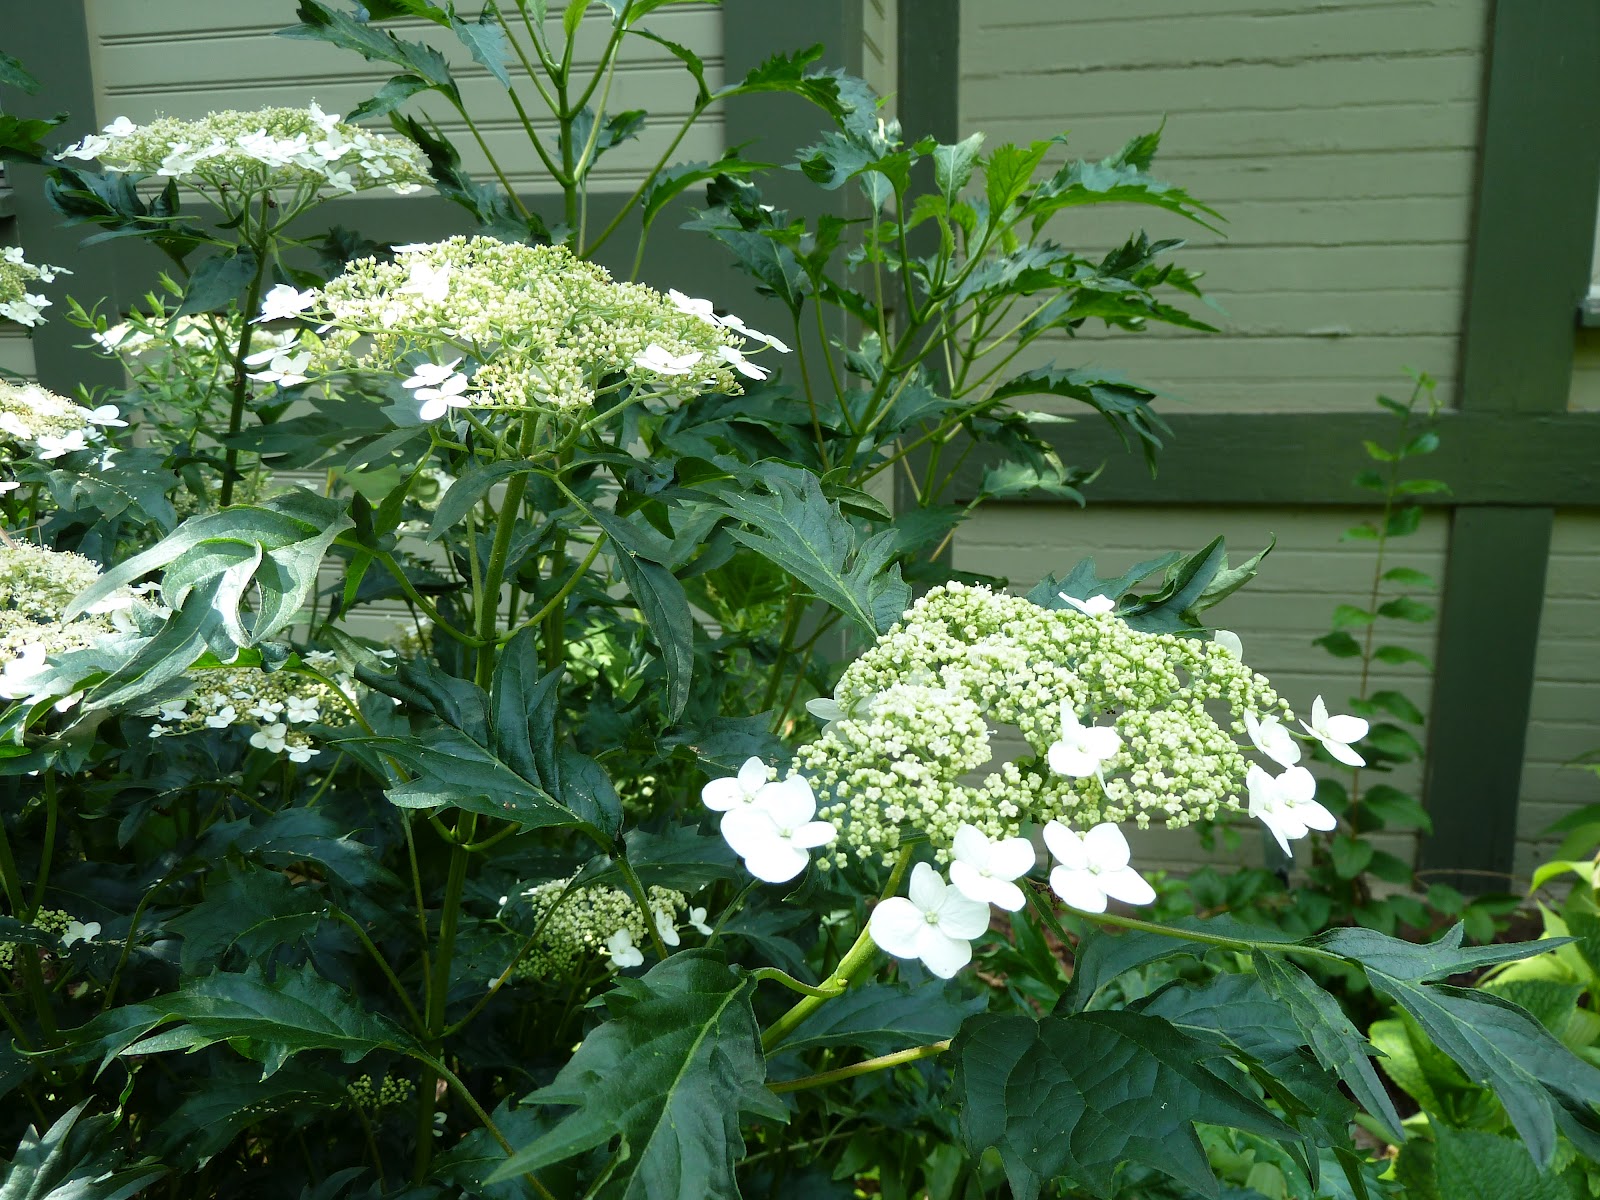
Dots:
{"x": 1518, "y": 459}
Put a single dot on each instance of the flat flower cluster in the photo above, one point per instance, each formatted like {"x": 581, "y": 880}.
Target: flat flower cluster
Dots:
{"x": 38, "y": 423}
{"x": 1120, "y": 724}
{"x": 236, "y": 154}
{"x": 17, "y": 275}
{"x": 483, "y": 324}
{"x": 579, "y": 924}
{"x": 36, "y": 585}
{"x": 276, "y": 706}
{"x": 55, "y": 921}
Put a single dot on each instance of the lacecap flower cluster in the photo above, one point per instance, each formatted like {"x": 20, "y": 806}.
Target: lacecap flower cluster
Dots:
{"x": 17, "y": 276}
{"x": 477, "y": 323}
{"x": 239, "y": 154}
{"x": 35, "y": 422}
{"x": 579, "y": 924}
{"x": 1119, "y": 726}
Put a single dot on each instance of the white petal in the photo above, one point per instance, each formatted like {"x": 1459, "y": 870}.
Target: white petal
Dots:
{"x": 894, "y": 926}
{"x": 1280, "y": 827}
{"x": 1071, "y": 761}
{"x": 1101, "y": 742}
{"x": 825, "y": 708}
{"x": 927, "y": 887}
{"x": 1345, "y": 729}
{"x": 1344, "y": 753}
{"x": 1297, "y": 785}
{"x": 720, "y": 795}
{"x": 1106, "y": 847}
{"x": 752, "y": 774}
{"x": 814, "y": 833}
{"x": 1229, "y": 641}
{"x": 985, "y": 889}
{"x": 1078, "y": 889}
{"x": 1010, "y": 858}
{"x": 790, "y": 801}
{"x": 1066, "y": 845}
{"x": 963, "y": 917}
{"x": 777, "y": 862}
{"x": 1315, "y": 816}
{"x": 1319, "y": 713}
{"x": 941, "y": 954}
{"x": 1071, "y": 726}
{"x": 970, "y": 847}
{"x": 749, "y": 830}
{"x": 1128, "y": 886}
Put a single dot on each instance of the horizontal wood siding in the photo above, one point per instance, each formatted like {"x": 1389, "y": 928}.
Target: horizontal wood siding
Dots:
{"x": 1565, "y": 718}
{"x": 1337, "y": 139}
{"x": 1276, "y": 616}
{"x": 189, "y": 57}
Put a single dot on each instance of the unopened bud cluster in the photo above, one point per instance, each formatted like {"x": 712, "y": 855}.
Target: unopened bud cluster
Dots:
{"x": 581, "y": 924}
{"x": 914, "y": 748}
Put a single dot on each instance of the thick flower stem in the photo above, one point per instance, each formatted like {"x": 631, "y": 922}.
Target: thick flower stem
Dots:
{"x": 241, "y": 381}
{"x": 866, "y": 1067}
{"x": 850, "y": 968}
{"x": 1242, "y": 945}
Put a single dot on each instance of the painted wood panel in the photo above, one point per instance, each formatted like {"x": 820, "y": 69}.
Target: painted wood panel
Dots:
{"x": 1338, "y": 140}
{"x": 232, "y": 59}
{"x": 1565, "y": 718}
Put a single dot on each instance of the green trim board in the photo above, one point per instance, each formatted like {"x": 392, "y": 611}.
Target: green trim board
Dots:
{"x": 1539, "y": 171}
{"x": 1548, "y": 459}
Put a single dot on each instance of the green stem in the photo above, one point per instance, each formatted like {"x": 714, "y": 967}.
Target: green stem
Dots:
{"x": 642, "y": 898}
{"x": 383, "y": 965}
{"x": 1242, "y": 945}
{"x": 866, "y": 1067}
{"x": 241, "y": 381}
{"x": 50, "y": 814}
{"x": 467, "y": 1098}
{"x": 793, "y": 984}
{"x": 855, "y": 961}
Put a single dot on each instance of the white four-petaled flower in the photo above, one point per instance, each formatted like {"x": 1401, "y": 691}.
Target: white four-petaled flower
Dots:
{"x": 302, "y": 709}
{"x": 283, "y": 367}
{"x": 268, "y": 737}
{"x": 1272, "y": 739}
{"x": 79, "y": 931}
{"x": 439, "y": 386}
{"x": 933, "y": 922}
{"x": 1336, "y": 733}
{"x": 1094, "y": 867}
{"x": 735, "y": 791}
{"x": 777, "y": 832}
{"x": 622, "y": 950}
{"x": 983, "y": 868}
{"x": 1287, "y": 804}
{"x": 1094, "y": 606}
{"x": 697, "y": 922}
{"x": 663, "y": 362}
{"x": 1082, "y": 748}
{"x": 284, "y": 301}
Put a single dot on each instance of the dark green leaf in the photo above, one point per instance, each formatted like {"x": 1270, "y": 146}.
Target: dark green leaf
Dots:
{"x": 1077, "y": 1096}
{"x": 1337, "y": 1043}
{"x": 1350, "y": 855}
{"x": 1472, "y": 1165}
{"x": 1340, "y": 645}
{"x": 1348, "y": 616}
{"x": 952, "y": 167}
{"x": 1403, "y": 522}
{"x": 1170, "y": 609}
{"x": 1421, "y": 487}
{"x": 1399, "y": 655}
{"x": 661, "y": 600}
{"x": 257, "y": 911}
{"x": 881, "y": 1018}
{"x": 14, "y": 74}
{"x": 1425, "y": 442}
{"x": 670, "y": 1073}
{"x": 1404, "y": 608}
{"x": 1125, "y": 405}
{"x": 486, "y": 40}
{"x": 75, "y": 1159}
{"x": 218, "y": 282}
{"x": 323, "y": 24}
{"x": 1406, "y": 577}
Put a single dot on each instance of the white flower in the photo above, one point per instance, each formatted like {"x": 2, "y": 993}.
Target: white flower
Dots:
{"x": 662, "y": 362}
{"x": 24, "y": 673}
{"x": 1094, "y": 867}
{"x": 666, "y": 926}
{"x": 741, "y": 364}
{"x": 776, "y": 834}
{"x": 1272, "y": 739}
{"x": 1336, "y": 733}
{"x": 14, "y": 425}
{"x": 697, "y": 922}
{"x": 983, "y": 869}
{"x": 1287, "y": 805}
{"x": 1094, "y": 606}
{"x": 283, "y": 301}
{"x": 92, "y": 146}
{"x": 284, "y": 368}
{"x": 174, "y": 710}
{"x": 120, "y": 128}
{"x": 1082, "y": 748}
{"x": 734, "y": 323}
{"x": 300, "y": 752}
{"x": 302, "y": 709}
{"x": 52, "y": 447}
{"x": 268, "y": 737}
{"x": 439, "y": 386}
{"x": 622, "y": 950}
{"x": 429, "y": 282}
{"x": 935, "y": 924}
{"x": 77, "y": 931}
{"x": 107, "y": 414}
{"x": 735, "y": 791}
{"x": 8, "y": 485}
{"x": 695, "y": 308}
{"x": 827, "y": 709}
{"x": 1229, "y": 641}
